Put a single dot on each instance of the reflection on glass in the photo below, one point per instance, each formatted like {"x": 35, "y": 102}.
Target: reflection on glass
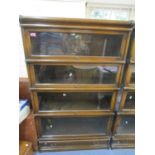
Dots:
{"x": 78, "y": 74}
{"x": 50, "y": 43}
{"x": 127, "y": 125}
{"x": 74, "y": 101}
{"x": 74, "y": 126}
{"x": 130, "y": 100}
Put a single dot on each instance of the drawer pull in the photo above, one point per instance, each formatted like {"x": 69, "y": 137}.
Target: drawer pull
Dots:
{"x": 70, "y": 74}
{"x": 130, "y": 97}
{"x": 51, "y": 126}
{"x": 126, "y": 122}
{"x": 64, "y": 94}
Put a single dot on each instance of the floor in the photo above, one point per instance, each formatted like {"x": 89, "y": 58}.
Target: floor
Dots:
{"x": 92, "y": 152}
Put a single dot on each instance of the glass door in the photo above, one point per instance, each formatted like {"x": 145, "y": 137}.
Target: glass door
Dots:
{"x": 126, "y": 125}
{"x": 76, "y": 74}
{"x": 46, "y": 43}
{"x": 75, "y": 101}
{"x": 72, "y": 126}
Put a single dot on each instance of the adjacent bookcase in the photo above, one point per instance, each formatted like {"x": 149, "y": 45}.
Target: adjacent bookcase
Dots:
{"x": 124, "y": 124}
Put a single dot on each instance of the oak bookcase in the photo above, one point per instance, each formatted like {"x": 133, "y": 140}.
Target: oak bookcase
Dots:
{"x": 75, "y": 70}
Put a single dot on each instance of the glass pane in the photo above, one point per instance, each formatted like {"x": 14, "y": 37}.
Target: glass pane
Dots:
{"x": 50, "y": 43}
{"x": 74, "y": 126}
{"x": 127, "y": 125}
{"x": 78, "y": 74}
{"x": 74, "y": 101}
{"x": 132, "y": 80}
{"x": 130, "y": 100}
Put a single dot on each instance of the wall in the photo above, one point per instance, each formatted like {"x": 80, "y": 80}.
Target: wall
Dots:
{"x": 128, "y": 2}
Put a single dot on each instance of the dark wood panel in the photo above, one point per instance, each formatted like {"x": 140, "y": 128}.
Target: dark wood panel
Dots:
{"x": 24, "y": 92}
{"x": 27, "y": 131}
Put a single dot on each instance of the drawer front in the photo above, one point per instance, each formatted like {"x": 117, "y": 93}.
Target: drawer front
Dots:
{"x": 125, "y": 125}
{"x": 130, "y": 75}
{"x": 48, "y": 43}
{"x": 73, "y": 144}
{"x": 74, "y": 101}
{"x": 73, "y": 126}
{"x": 43, "y": 74}
{"x": 128, "y": 100}
{"x": 123, "y": 143}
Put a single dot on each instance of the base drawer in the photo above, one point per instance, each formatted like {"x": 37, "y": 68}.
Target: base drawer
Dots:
{"x": 73, "y": 144}
{"x": 123, "y": 142}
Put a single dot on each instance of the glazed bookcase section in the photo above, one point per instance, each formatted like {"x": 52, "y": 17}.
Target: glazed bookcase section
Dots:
{"x": 74, "y": 101}
{"x": 128, "y": 100}
{"x": 59, "y": 127}
{"x": 130, "y": 75}
{"x": 75, "y": 144}
{"x": 124, "y": 124}
{"x": 123, "y": 142}
{"x": 75, "y": 38}
{"x": 75, "y": 44}
{"x": 52, "y": 74}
